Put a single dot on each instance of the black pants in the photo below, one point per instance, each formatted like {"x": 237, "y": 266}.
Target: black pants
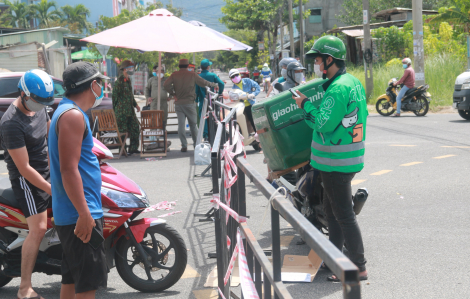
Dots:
{"x": 249, "y": 116}
{"x": 342, "y": 224}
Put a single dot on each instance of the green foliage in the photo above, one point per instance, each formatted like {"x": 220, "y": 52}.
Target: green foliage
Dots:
{"x": 440, "y": 71}
{"x": 459, "y": 17}
{"x": 352, "y": 9}
{"x": 393, "y": 42}
{"x": 170, "y": 60}
{"x": 231, "y": 59}
{"x": 76, "y": 15}
{"x": 46, "y": 12}
{"x": 18, "y": 15}
{"x": 395, "y": 62}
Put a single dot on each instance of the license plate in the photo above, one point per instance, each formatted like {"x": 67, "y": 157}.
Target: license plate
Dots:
{"x": 454, "y": 105}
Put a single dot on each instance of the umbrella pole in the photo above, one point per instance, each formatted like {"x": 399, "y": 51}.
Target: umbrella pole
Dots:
{"x": 194, "y": 61}
{"x": 159, "y": 79}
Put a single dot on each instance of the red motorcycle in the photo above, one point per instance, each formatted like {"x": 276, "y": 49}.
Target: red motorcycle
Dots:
{"x": 150, "y": 256}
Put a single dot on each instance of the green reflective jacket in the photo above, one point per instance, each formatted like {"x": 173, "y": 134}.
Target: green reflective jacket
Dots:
{"x": 339, "y": 124}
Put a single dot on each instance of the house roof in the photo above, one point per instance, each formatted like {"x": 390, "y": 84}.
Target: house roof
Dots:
{"x": 385, "y": 13}
{"x": 372, "y": 26}
{"x": 36, "y": 30}
{"x": 354, "y": 33}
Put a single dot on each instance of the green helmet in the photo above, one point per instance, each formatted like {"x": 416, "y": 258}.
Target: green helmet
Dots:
{"x": 328, "y": 45}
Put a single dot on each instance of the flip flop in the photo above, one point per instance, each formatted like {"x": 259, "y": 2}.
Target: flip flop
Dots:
{"x": 333, "y": 278}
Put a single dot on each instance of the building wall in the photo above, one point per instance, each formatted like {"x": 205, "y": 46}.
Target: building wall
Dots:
{"x": 40, "y": 36}
{"x": 316, "y": 25}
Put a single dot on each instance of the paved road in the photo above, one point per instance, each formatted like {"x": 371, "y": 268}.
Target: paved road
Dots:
{"x": 415, "y": 224}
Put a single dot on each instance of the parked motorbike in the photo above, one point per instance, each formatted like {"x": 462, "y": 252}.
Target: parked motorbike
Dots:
{"x": 257, "y": 76}
{"x": 235, "y": 99}
{"x": 416, "y": 100}
{"x": 305, "y": 190}
{"x": 150, "y": 256}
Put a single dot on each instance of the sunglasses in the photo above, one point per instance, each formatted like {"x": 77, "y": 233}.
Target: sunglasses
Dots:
{"x": 234, "y": 76}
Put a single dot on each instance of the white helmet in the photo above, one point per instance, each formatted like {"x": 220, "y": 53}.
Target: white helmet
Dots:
{"x": 265, "y": 65}
{"x": 233, "y": 72}
{"x": 406, "y": 61}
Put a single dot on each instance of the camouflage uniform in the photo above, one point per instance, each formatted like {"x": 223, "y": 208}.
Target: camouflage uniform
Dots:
{"x": 123, "y": 105}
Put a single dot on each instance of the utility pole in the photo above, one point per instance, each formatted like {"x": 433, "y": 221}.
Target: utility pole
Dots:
{"x": 281, "y": 26}
{"x": 367, "y": 49}
{"x": 301, "y": 26}
{"x": 291, "y": 29}
{"x": 418, "y": 45}
{"x": 129, "y": 5}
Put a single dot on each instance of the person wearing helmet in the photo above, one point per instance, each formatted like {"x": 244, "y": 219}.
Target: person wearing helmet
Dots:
{"x": 283, "y": 67}
{"x": 201, "y": 91}
{"x": 295, "y": 75}
{"x": 408, "y": 80}
{"x": 249, "y": 86}
{"x": 124, "y": 104}
{"x": 24, "y": 128}
{"x": 266, "y": 73}
{"x": 339, "y": 130}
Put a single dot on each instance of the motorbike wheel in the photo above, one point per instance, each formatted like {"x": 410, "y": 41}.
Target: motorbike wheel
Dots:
{"x": 424, "y": 106}
{"x": 384, "y": 107}
{"x": 465, "y": 114}
{"x": 170, "y": 266}
{"x": 256, "y": 146}
{"x": 4, "y": 280}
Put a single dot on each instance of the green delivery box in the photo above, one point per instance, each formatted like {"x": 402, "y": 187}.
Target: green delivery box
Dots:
{"x": 283, "y": 132}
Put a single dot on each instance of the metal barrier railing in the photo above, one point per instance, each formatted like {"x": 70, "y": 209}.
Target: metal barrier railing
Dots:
{"x": 258, "y": 263}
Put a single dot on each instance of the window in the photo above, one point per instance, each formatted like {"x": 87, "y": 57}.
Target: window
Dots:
{"x": 315, "y": 15}
{"x": 59, "y": 90}
{"x": 9, "y": 87}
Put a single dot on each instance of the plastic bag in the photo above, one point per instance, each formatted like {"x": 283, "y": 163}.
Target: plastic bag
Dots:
{"x": 202, "y": 154}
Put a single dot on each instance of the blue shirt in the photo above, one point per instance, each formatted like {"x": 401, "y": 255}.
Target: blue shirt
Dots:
{"x": 281, "y": 80}
{"x": 88, "y": 166}
{"x": 266, "y": 73}
{"x": 249, "y": 86}
{"x": 211, "y": 77}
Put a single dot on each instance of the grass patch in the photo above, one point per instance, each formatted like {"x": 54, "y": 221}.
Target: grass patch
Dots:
{"x": 440, "y": 72}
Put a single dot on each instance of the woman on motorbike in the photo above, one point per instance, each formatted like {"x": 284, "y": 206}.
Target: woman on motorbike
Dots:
{"x": 266, "y": 73}
{"x": 283, "y": 66}
{"x": 249, "y": 86}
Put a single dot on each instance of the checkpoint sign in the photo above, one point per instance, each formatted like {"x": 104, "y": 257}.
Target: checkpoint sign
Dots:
{"x": 103, "y": 50}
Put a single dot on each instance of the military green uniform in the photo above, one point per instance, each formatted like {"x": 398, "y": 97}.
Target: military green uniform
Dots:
{"x": 123, "y": 105}
{"x": 151, "y": 91}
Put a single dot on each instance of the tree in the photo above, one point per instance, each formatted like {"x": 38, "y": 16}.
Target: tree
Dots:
{"x": 76, "y": 16}
{"x": 459, "y": 16}
{"x": 42, "y": 13}
{"x": 17, "y": 15}
{"x": 352, "y": 9}
{"x": 231, "y": 59}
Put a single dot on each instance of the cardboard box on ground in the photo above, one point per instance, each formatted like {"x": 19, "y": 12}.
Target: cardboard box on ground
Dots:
{"x": 295, "y": 268}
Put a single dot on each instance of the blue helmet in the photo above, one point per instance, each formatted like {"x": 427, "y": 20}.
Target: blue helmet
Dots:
{"x": 38, "y": 85}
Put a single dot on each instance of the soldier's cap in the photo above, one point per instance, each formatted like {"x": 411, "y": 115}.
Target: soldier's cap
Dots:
{"x": 206, "y": 62}
{"x": 184, "y": 62}
{"x": 126, "y": 63}
{"x": 80, "y": 72}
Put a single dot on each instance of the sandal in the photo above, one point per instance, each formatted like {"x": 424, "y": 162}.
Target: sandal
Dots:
{"x": 333, "y": 278}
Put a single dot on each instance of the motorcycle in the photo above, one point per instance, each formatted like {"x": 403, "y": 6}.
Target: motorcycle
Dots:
{"x": 257, "y": 76}
{"x": 150, "y": 256}
{"x": 305, "y": 190}
{"x": 235, "y": 99}
{"x": 266, "y": 83}
{"x": 416, "y": 100}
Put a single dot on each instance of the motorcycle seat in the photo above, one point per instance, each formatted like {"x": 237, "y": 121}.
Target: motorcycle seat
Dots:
{"x": 7, "y": 196}
{"x": 409, "y": 91}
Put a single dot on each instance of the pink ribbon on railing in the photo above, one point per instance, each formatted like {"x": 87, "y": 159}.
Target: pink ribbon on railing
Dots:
{"x": 231, "y": 264}
{"x": 218, "y": 204}
{"x": 248, "y": 287}
{"x": 164, "y": 205}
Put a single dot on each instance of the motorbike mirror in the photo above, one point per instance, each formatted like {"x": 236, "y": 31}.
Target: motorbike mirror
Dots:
{"x": 279, "y": 87}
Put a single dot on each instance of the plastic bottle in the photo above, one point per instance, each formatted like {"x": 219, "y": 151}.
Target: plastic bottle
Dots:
{"x": 359, "y": 200}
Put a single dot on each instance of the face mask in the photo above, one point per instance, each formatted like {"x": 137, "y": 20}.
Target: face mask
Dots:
{"x": 236, "y": 79}
{"x": 33, "y": 106}
{"x": 284, "y": 73}
{"x": 130, "y": 71}
{"x": 161, "y": 75}
{"x": 316, "y": 69}
{"x": 190, "y": 69}
{"x": 154, "y": 74}
{"x": 299, "y": 77}
{"x": 99, "y": 98}
{"x": 405, "y": 66}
